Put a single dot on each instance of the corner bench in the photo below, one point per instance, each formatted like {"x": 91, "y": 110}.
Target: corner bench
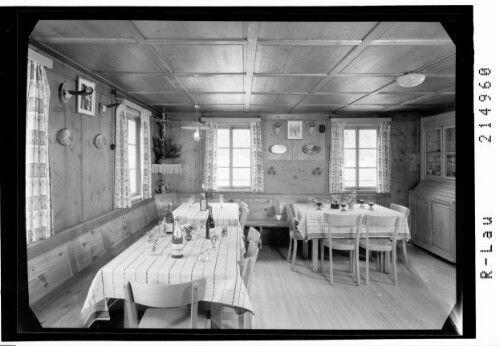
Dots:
{"x": 269, "y": 222}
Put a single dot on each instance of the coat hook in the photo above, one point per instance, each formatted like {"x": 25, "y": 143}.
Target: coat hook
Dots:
{"x": 103, "y": 108}
{"x": 65, "y": 94}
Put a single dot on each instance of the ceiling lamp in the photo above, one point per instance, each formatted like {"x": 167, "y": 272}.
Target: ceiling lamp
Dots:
{"x": 410, "y": 80}
{"x": 197, "y": 126}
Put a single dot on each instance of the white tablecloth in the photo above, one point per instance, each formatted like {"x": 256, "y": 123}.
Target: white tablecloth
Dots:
{"x": 224, "y": 283}
{"x": 226, "y": 214}
{"x": 311, "y": 224}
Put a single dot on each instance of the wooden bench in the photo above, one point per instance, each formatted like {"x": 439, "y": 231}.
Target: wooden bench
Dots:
{"x": 269, "y": 222}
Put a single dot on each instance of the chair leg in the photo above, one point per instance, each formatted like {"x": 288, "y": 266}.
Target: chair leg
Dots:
{"x": 351, "y": 261}
{"x": 367, "y": 267}
{"x": 321, "y": 245}
{"x": 404, "y": 251}
{"x": 260, "y": 243}
{"x": 330, "y": 265}
{"x": 395, "y": 268}
{"x": 357, "y": 267}
{"x": 290, "y": 247}
{"x": 295, "y": 245}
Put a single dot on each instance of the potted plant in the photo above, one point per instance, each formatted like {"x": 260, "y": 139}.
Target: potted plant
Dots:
{"x": 165, "y": 151}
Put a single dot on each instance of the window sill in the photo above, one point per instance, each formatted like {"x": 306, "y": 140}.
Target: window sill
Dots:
{"x": 136, "y": 199}
{"x": 233, "y": 190}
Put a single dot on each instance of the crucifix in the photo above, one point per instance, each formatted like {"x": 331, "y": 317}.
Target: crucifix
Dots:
{"x": 164, "y": 121}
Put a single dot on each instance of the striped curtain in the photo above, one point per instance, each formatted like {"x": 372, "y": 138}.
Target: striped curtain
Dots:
{"x": 336, "y": 157}
{"x": 384, "y": 163}
{"x": 210, "y": 157}
{"x": 146, "y": 155}
{"x": 122, "y": 193}
{"x": 256, "y": 157}
{"x": 38, "y": 203}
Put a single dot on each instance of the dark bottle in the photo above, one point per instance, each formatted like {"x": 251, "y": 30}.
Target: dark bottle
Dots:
{"x": 177, "y": 241}
{"x": 210, "y": 223}
{"x": 169, "y": 220}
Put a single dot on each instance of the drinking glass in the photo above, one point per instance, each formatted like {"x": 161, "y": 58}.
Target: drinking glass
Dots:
{"x": 371, "y": 203}
{"x": 213, "y": 238}
{"x": 221, "y": 200}
{"x": 225, "y": 232}
{"x": 343, "y": 205}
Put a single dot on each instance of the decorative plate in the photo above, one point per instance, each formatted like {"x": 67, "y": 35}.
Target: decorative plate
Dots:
{"x": 65, "y": 137}
{"x": 278, "y": 149}
{"x": 100, "y": 141}
{"x": 311, "y": 149}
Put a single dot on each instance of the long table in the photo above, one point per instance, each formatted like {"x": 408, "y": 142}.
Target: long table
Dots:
{"x": 311, "y": 225}
{"x": 226, "y": 214}
{"x": 138, "y": 262}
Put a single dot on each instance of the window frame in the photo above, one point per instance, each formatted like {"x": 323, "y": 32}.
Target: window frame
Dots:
{"x": 358, "y": 127}
{"x": 231, "y": 129}
{"x": 138, "y": 196}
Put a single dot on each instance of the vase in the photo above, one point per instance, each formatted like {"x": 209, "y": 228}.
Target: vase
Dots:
{"x": 351, "y": 204}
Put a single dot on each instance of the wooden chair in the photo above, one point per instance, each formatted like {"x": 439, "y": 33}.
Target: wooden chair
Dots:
{"x": 381, "y": 245}
{"x": 406, "y": 212}
{"x": 243, "y": 216}
{"x": 351, "y": 245}
{"x": 253, "y": 235}
{"x": 294, "y": 235}
{"x": 160, "y": 300}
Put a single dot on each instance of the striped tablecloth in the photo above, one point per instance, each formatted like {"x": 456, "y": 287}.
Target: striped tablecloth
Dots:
{"x": 226, "y": 214}
{"x": 139, "y": 263}
{"x": 311, "y": 225}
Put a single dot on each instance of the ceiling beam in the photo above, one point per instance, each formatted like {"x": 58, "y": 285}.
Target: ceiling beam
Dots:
{"x": 84, "y": 40}
{"x": 250, "y": 57}
{"x": 413, "y": 42}
{"x": 208, "y": 74}
{"x": 197, "y": 41}
{"x": 309, "y": 42}
{"x": 289, "y": 74}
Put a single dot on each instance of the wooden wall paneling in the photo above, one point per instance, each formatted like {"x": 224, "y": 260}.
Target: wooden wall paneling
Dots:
{"x": 269, "y": 138}
{"x": 316, "y": 139}
{"x": 48, "y": 271}
{"x": 88, "y": 247}
{"x": 295, "y": 177}
{"x": 114, "y": 232}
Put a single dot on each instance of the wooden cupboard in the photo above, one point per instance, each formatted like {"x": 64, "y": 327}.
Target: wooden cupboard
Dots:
{"x": 433, "y": 201}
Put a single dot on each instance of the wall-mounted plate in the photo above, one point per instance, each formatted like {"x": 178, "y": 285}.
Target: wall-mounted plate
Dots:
{"x": 65, "y": 137}
{"x": 278, "y": 149}
{"x": 311, "y": 149}
{"x": 100, "y": 141}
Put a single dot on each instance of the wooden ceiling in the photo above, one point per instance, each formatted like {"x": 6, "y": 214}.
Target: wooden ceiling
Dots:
{"x": 262, "y": 67}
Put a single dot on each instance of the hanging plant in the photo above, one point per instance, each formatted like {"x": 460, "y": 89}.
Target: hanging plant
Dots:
{"x": 165, "y": 150}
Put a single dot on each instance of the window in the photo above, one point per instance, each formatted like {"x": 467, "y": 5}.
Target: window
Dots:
{"x": 233, "y": 158}
{"x": 134, "y": 160}
{"x": 360, "y": 157}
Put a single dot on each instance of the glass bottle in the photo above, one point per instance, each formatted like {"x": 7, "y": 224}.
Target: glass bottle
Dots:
{"x": 210, "y": 223}
{"x": 169, "y": 220}
{"x": 177, "y": 240}
{"x": 202, "y": 201}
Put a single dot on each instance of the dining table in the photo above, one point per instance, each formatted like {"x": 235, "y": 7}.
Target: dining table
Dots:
{"x": 311, "y": 224}
{"x": 223, "y": 213}
{"x": 149, "y": 260}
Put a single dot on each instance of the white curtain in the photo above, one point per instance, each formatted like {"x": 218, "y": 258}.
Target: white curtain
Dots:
{"x": 210, "y": 157}
{"x": 384, "y": 164}
{"x": 336, "y": 157}
{"x": 122, "y": 193}
{"x": 38, "y": 203}
{"x": 146, "y": 155}
{"x": 256, "y": 157}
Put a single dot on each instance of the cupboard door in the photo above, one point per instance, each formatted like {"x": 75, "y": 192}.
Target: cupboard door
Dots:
{"x": 442, "y": 237}
{"x": 421, "y": 220}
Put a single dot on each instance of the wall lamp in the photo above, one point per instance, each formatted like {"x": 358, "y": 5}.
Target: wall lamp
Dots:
{"x": 103, "y": 108}
{"x": 65, "y": 94}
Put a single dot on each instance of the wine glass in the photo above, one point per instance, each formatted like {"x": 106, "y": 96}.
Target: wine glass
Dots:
{"x": 213, "y": 238}
{"x": 361, "y": 201}
{"x": 343, "y": 205}
{"x": 371, "y": 203}
{"x": 319, "y": 202}
{"x": 225, "y": 232}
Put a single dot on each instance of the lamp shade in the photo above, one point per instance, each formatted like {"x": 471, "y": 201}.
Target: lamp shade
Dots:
{"x": 194, "y": 126}
{"x": 410, "y": 80}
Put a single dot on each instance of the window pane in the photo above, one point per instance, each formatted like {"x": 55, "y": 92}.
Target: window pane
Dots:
{"x": 223, "y": 183}
{"x": 241, "y": 183}
{"x": 241, "y": 158}
{"x": 367, "y": 138}
{"x": 367, "y": 157}
{"x": 350, "y": 158}
{"x": 350, "y": 177}
{"x": 241, "y": 138}
{"x": 349, "y": 138}
{"x": 367, "y": 177}
{"x": 132, "y": 156}
{"x": 241, "y": 174}
{"x": 223, "y": 174}
{"x": 132, "y": 131}
{"x": 223, "y": 138}
{"x": 133, "y": 182}
{"x": 223, "y": 157}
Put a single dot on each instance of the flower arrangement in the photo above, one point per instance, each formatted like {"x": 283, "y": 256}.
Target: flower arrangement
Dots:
{"x": 209, "y": 194}
{"x": 164, "y": 149}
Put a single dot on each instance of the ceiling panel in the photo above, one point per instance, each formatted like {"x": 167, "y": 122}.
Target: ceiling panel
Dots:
{"x": 430, "y": 84}
{"x": 189, "y": 30}
{"x": 105, "y": 57}
{"x": 412, "y": 107}
{"x": 298, "y": 59}
{"x": 284, "y": 84}
{"x": 203, "y": 58}
{"x": 222, "y": 108}
{"x": 362, "y": 108}
{"x": 440, "y": 100}
{"x": 356, "y": 84}
{"x": 307, "y": 30}
{"x": 396, "y": 59}
{"x": 222, "y": 99}
{"x": 134, "y": 82}
{"x": 415, "y": 30}
{"x": 336, "y": 99}
{"x": 270, "y": 108}
{"x": 213, "y": 83}
{"x": 315, "y": 109}
{"x": 448, "y": 67}
{"x": 178, "y": 109}
{"x": 165, "y": 98}
{"x": 81, "y": 29}
{"x": 275, "y": 99}
{"x": 386, "y": 99}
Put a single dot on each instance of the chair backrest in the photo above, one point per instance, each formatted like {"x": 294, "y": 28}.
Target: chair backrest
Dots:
{"x": 249, "y": 263}
{"x": 400, "y": 209}
{"x": 252, "y": 249}
{"x": 165, "y": 296}
{"x": 244, "y": 216}
{"x": 389, "y": 224}
{"x": 253, "y": 235}
{"x": 291, "y": 219}
{"x": 343, "y": 221}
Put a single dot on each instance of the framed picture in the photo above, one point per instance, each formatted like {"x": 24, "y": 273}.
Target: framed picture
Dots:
{"x": 85, "y": 104}
{"x": 295, "y": 129}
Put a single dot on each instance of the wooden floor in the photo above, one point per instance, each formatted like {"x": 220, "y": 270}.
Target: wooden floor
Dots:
{"x": 302, "y": 299}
